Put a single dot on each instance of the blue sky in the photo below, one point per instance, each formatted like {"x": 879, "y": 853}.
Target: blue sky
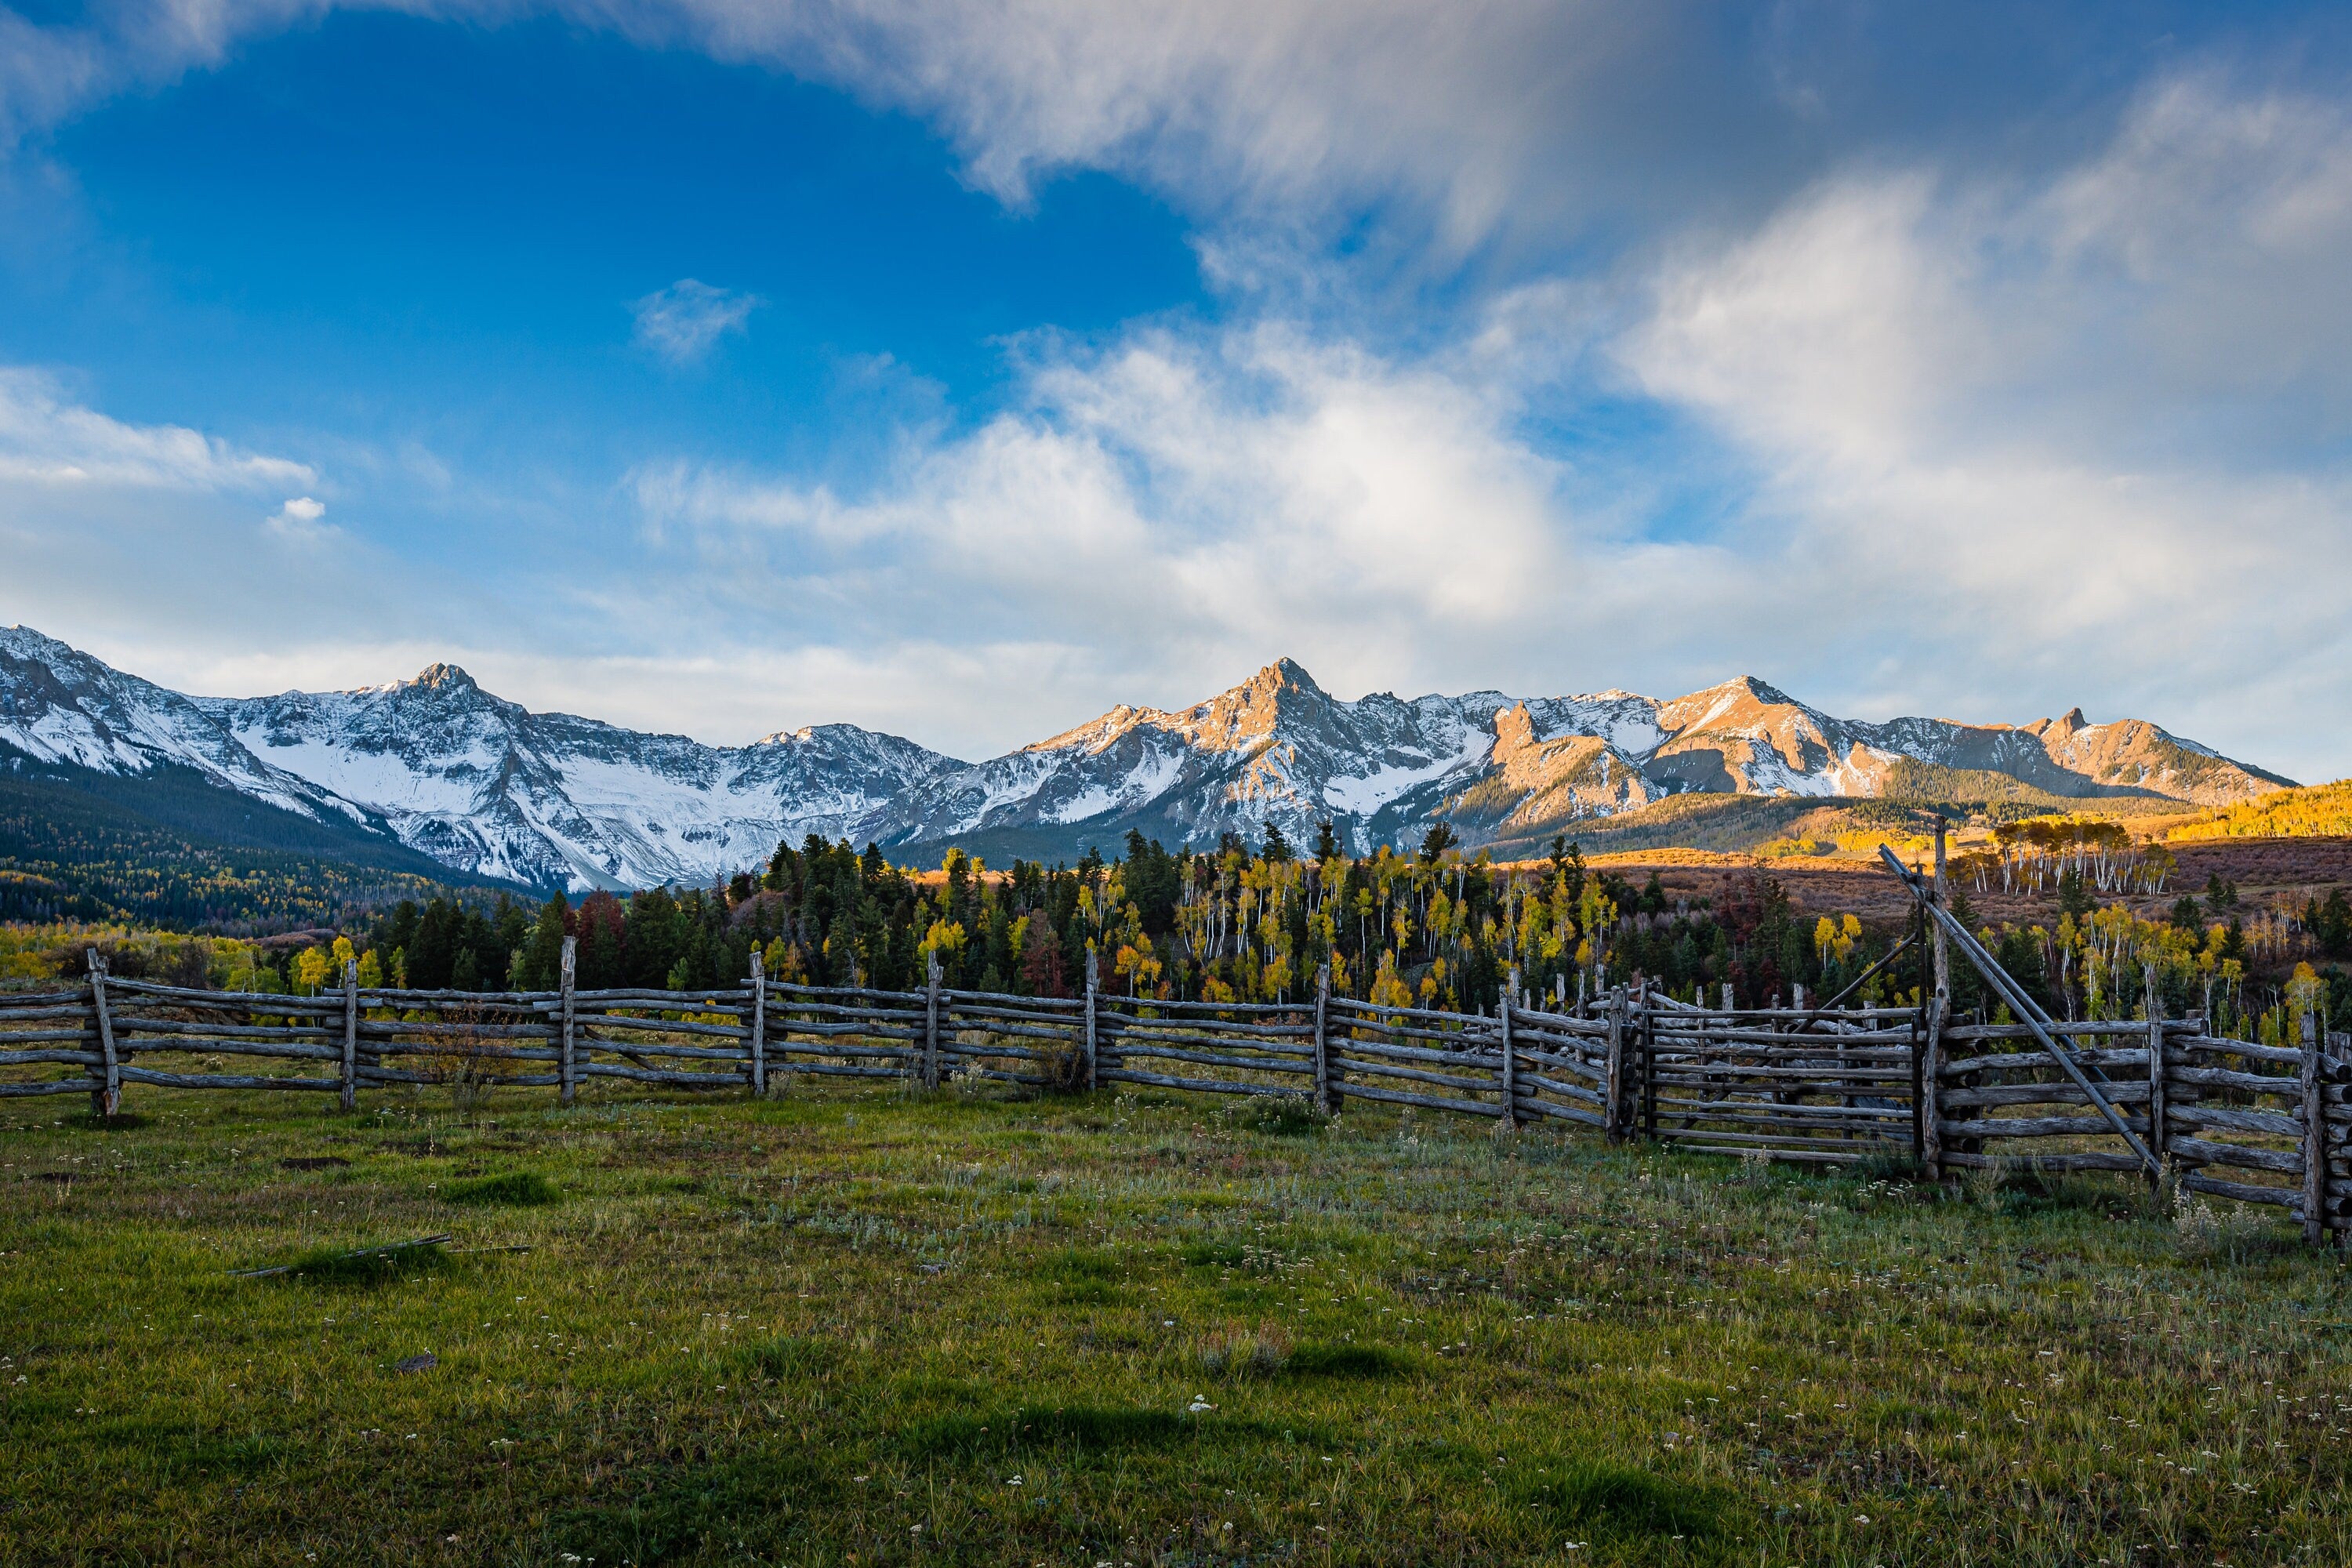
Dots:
{"x": 960, "y": 370}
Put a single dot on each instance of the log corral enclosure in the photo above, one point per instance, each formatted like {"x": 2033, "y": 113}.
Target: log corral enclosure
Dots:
{"x": 1911, "y": 1088}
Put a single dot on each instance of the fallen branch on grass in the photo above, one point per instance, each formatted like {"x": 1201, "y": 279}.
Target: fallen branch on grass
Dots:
{"x": 384, "y": 1251}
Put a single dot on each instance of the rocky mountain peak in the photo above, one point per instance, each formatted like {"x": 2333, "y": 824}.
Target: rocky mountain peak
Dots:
{"x": 490, "y": 788}
{"x": 445, "y": 677}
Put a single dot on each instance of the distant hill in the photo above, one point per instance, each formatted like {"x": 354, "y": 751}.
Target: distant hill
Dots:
{"x": 489, "y": 790}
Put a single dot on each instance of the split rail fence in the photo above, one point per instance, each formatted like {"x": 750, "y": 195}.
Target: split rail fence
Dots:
{"x": 2233, "y": 1119}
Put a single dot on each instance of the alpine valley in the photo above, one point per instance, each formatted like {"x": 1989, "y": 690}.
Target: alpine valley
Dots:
{"x": 436, "y": 772}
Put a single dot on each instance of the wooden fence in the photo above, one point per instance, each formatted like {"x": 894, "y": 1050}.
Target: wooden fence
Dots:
{"x": 1824, "y": 1085}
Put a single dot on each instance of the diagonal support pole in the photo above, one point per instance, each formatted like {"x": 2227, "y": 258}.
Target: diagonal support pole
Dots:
{"x": 2027, "y": 1010}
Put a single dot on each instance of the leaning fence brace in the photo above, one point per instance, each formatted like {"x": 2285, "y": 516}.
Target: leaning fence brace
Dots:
{"x": 2230, "y": 1118}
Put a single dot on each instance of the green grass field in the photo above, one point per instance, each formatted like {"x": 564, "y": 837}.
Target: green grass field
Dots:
{"x": 865, "y": 1328}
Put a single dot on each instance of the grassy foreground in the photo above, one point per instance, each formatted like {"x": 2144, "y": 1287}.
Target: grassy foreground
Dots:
{"x": 875, "y": 1330}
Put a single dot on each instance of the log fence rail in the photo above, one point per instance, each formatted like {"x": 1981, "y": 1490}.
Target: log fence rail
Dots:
{"x": 1906, "y": 1088}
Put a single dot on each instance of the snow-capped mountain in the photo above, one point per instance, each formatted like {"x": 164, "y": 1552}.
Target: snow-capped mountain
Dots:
{"x": 487, "y": 786}
{"x": 491, "y": 789}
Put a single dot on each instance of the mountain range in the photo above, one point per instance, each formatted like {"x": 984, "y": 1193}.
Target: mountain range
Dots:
{"x": 437, "y": 770}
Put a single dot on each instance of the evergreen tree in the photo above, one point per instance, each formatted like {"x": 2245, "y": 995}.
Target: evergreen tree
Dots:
{"x": 539, "y": 963}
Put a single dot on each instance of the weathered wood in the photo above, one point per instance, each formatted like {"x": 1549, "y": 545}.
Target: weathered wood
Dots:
{"x": 2049, "y": 1093}
{"x": 1110, "y": 1023}
{"x": 1426, "y": 1102}
{"x": 1614, "y": 1084}
{"x": 1576, "y": 1115}
{"x": 759, "y": 1042}
{"x": 1380, "y": 1050}
{"x": 931, "y": 1020}
{"x": 2035, "y": 1127}
{"x": 221, "y": 1081}
{"x": 2243, "y": 1192}
{"x": 2157, "y": 1130}
{"x": 2229, "y": 1119}
{"x": 2203, "y": 1152}
{"x": 107, "y": 1098}
{"x": 2022, "y": 1006}
{"x": 1507, "y": 1070}
{"x": 1531, "y": 1084}
{"x": 2315, "y": 1139}
{"x": 50, "y": 1058}
{"x": 350, "y": 1062}
{"x": 567, "y": 1004}
{"x": 1326, "y": 1098}
{"x": 61, "y": 1086}
{"x": 2244, "y": 1082}
{"x": 1117, "y": 1040}
{"x": 1093, "y": 1045}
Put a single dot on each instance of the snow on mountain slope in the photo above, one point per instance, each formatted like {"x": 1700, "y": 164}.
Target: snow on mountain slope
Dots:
{"x": 476, "y": 780}
{"x": 60, "y": 705}
{"x": 490, "y": 788}
{"x": 1277, "y": 748}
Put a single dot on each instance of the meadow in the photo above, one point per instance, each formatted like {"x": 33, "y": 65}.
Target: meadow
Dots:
{"x": 971, "y": 1327}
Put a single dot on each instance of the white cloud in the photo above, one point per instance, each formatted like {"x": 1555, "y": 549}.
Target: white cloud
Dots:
{"x": 1170, "y": 512}
{"x": 2085, "y": 432}
{"x": 297, "y": 522}
{"x": 47, "y": 438}
{"x": 685, "y": 320}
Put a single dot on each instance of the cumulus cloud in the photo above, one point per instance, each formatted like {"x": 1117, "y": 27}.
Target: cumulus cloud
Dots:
{"x": 685, "y": 320}
{"x": 298, "y": 520}
{"x": 2092, "y": 425}
{"x": 1162, "y": 509}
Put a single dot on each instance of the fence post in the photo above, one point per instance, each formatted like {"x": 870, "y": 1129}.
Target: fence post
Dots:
{"x": 1939, "y": 1012}
{"x": 1510, "y": 1068}
{"x": 1613, "y": 1071}
{"x": 759, "y": 1023}
{"x": 2315, "y": 1139}
{"x": 1327, "y": 1097}
{"x": 2156, "y": 1132}
{"x": 567, "y": 1072}
{"x": 931, "y": 1021}
{"x": 107, "y": 1098}
{"x": 1090, "y": 1018}
{"x": 1649, "y": 1064}
{"x": 350, "y": 1033}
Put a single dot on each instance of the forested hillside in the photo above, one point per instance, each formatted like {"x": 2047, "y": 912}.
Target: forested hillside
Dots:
{"x": 167, "y": 848}
{"x": 2318, "y": 811}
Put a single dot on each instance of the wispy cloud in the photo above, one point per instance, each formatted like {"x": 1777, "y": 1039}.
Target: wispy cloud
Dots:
{"x": 47, "y": 437}
{"x": 683, "y": 322}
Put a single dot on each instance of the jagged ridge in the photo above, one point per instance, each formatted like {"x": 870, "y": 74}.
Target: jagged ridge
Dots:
{"x": 491, "y": 789}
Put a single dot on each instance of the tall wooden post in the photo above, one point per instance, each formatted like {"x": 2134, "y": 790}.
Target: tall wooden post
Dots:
{"x": 1939, "y": 1012}
{"x": 350, "y": 1033}
{"x": 1327, "y": 1092}
{"x": 107, "y": 1098}
{"x": 759, "y": 1041}
{"x": 1508, "y": 1073}
{"x": 932, "y": 1022}
{"x": 1726, "y": 996}
{"x": 1614, "y": 1070}
{"x": 2315, "y": 1139}
{"x": 2156, "y": 1130}
{"x": 1091, "y": 1019}
{"x": 1649, "y": 1062}
{"x": 567, "y": 1071}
